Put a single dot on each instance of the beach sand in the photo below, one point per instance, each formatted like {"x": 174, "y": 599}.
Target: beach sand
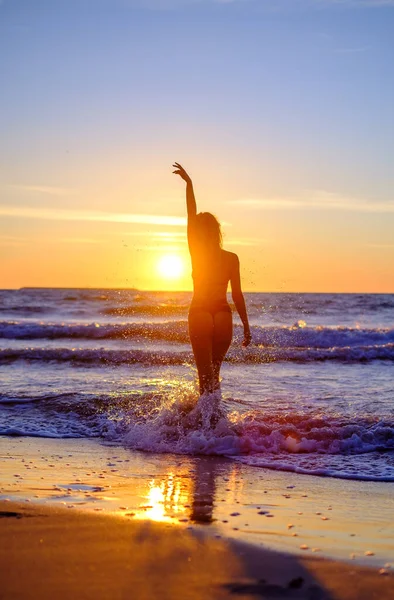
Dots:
{"x": 52, "y": 552}
{"x": 80, "y": 519}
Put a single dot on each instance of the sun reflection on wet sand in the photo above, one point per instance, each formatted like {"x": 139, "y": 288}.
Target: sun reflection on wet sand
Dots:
{"x": 296, "y": 514}
{"x": 186, "y": 496}
{"x": 167, "y": 499}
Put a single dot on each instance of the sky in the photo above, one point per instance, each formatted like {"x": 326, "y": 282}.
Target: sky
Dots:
{"x": 281, "y": 111}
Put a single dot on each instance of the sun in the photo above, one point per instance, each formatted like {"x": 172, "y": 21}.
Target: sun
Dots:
{"x": 170, "y": 266}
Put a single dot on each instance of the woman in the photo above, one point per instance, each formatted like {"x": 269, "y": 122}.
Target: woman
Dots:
{"x": 210, "y": 318}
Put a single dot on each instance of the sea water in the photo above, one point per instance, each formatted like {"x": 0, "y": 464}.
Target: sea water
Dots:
{"x": 313, "y": 393}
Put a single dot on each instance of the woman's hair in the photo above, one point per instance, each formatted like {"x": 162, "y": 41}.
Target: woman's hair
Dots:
{"x": 208, "y": 230}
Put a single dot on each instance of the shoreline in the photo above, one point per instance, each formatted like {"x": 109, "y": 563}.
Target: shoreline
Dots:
{"x": 338, "y": 519}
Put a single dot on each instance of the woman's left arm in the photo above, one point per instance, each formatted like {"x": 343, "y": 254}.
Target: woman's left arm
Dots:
{"x": 239, "y": 299}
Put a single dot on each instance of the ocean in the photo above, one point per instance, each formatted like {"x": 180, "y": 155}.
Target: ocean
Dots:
{"x": 313, "y": 394}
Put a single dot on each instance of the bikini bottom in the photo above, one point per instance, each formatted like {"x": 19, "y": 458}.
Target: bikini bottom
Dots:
{"x": 211, "y": 307}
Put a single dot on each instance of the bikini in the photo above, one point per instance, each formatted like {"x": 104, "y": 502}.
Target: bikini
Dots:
{"x": 210, "y": 306}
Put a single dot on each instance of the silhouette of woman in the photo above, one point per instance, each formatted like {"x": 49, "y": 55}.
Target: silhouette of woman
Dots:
{"x": 210, "y": 318}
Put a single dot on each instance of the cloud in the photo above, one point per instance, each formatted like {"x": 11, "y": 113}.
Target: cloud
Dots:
{"x": 12, "y": 240}
{"x": 52, "y": 214}
{"x": 76, "y": 240}
{"x": 167, "y": 235}
{"x": 157, "y": 235}
{"x": 43, "y": 189}
{"x": 316, "y": 200}
{"x": 245, "y": 242}
{"x": 170, "y": 248}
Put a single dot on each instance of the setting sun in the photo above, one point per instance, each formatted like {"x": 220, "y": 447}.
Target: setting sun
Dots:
{"x": 170, "y": 266}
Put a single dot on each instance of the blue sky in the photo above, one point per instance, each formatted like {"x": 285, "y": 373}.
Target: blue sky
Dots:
{"x": 282, "y": 110}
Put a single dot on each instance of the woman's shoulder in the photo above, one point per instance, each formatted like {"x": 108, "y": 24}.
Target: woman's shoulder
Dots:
{"x": 230, "y": 257}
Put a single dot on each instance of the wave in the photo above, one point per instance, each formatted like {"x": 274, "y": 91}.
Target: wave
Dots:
{"x": 308, "y": 444}
{"x": 171, "y": 331}
{"x": 40, "y": 433}
{"x": 180, "y": 423}
{"x": 162, "y": 310}
{"x": 296, "y": 336}
{"x": 286, "y": 304}
{"x": 256, "y": 355}
{"x": 362, "y": 467}
{"x": 94, "y": 356}
{"x": 258, "y": 430}
{"x": 27, "y": 309}
{"x": 270, "y": 307}
{"x": 11, "y": 398}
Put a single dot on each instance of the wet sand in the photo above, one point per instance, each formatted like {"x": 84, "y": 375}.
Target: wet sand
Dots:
{"x": 52, "y": 552}
{"x": 86, "y": 520}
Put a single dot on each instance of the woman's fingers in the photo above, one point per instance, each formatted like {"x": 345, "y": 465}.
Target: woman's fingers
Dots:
{"x": 178, "y": 166}
{"x": 179, "y": 170}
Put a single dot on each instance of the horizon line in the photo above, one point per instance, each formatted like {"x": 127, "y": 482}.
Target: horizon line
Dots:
{"x": 131, "y": 288}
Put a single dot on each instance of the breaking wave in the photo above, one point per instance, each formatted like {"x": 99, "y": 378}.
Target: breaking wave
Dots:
{"x": 294, "y": 343}
{"x": 253, "y": 355}
{"x": 180, "y": 423}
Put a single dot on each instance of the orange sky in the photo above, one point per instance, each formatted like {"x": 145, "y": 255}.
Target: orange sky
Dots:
{"x": 281, "y": 247}
{"x": 277, "y": 109}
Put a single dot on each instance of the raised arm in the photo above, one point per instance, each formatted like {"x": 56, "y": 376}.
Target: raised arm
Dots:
{"x": 190, "y": 199}
{"x": 239, "y": 300}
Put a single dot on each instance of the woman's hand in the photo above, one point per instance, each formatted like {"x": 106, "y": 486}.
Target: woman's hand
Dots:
{"x": 247, "y": 338}
{"x": 179, "y": 170}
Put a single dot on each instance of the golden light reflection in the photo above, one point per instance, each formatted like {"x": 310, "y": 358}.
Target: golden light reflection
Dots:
{"x": 166, "y": 500}
{"x": 190, "y": 493}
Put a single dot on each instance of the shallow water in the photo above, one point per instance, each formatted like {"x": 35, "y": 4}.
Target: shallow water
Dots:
{"x": 313, "y": 394}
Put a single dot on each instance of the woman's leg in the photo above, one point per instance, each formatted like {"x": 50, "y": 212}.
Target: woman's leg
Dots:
{"x": 201, "y": 328}
{"x": 222, "y": 336}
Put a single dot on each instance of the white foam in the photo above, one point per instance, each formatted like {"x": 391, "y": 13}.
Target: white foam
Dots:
{"x": 296, "y": 336}
{"x": 254, "y": 355}
{"x": 300, "y": 444}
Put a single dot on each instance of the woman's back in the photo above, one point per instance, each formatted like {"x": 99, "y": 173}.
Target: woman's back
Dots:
{"x": 211, "y": 275}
